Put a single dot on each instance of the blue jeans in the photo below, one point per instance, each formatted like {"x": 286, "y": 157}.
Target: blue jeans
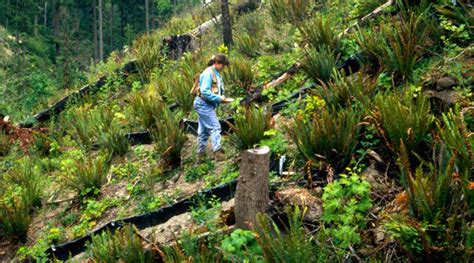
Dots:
{"x": 209, "y": 126}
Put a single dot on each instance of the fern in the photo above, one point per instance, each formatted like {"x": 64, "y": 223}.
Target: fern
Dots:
{"x": 250, "y": 126}
{"x": 123, "y": 246}
{"x": 329, "y": 136}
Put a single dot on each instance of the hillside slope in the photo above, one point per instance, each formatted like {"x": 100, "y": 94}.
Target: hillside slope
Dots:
{"x": 380, "y": 156}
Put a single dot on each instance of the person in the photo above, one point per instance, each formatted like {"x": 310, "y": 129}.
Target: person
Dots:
{"x": 210, "y": 95}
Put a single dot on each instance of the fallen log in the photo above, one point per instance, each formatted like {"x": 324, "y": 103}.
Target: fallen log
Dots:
{"x": 377, "y": 11}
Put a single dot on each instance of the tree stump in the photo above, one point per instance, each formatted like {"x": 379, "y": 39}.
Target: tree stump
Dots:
{"x": 252, "y": 193}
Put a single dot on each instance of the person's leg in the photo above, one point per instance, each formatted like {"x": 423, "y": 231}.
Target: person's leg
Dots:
{"x": 208, "y": 120}
{"x": 203, "y": 132}
{"x": 203, "y": 136}
{"x": 215, "y": 131}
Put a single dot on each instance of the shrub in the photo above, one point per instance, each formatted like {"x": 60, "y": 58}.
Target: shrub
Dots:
{"x": 180, "y": 84}
{"x": 293, "y": 11}
{"x": 112, "y": 138}
{"x": 5, "y": 144}
{"x": 320, "y": 33}
{"x": 294, "y": 245}
{"x": 240, "y": 73}
{"x": 458, "y": 139}
{"x": 192, "y": 248}
{"x": 248, "y": 45}
{"x": 168, "y": 136}
{"x": 404, "y": 120}
{"x": 98, "y": 125}
{"x": 398, "y": 48}
{"x": 87, "y": 176}
{"x": 42, "y": 143}
{"x": 250, "y": 126}
{"x": 319, "y": 65}
{"x": 277, "y": 10}
{"x": 123, "y": 246}
{"x": 252, "y": 23}
{"x": 15, "y": 216}
{"x": 147, "y": 51}
{"x": 364, "y": 7}
{"x": 345, "y": 204}
{"x": 146, "y": 108}
{"x": 440, "y": 203}
{"x": 83, "y": 126}
{"x": 345, "y": 91}
{"x": 241, "y": 246}
{"x": 329, "y": 136}
{"x": 30, "y": 181}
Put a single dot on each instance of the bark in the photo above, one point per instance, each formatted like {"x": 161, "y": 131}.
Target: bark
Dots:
{"x": 147, "y": 18}
{"x": 101, "y": 24}
{"x": 226, "y": 23}
{"x": 36, "y": 26}
{"x": 45, "y": 15}
{"x": 111, "y": 27}
{"x": 252, "y": 193}
{"x": 7, "y": 13}
{"x": 94, "y": 25}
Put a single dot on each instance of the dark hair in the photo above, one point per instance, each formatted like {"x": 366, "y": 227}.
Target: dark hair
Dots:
{"x": 219, "y": 59}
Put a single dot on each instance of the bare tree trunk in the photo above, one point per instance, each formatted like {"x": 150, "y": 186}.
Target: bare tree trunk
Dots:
{"x": 252, "y": 193}
{"x": 111, "y": 27}
{"x": 226, "y": 23}
{"x": 35, "y": 32}
{"x": 153, "y": 16}
{"x": 94, "y": 24}
{"x": 147, "y": 18}
{"x": 101, "y": 40}
{"x": 6, "y": 14}
{"x": 45, "y": 15}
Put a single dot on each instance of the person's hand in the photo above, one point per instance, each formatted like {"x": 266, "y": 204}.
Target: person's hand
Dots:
{"x": 227, "y": 100}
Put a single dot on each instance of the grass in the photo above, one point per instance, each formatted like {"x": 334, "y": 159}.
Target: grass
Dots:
{"x": 87, "y": 176}
{"x": 122, "y": 246}
{"x": 330, "y": 137}
{"x": 250, "y": 126}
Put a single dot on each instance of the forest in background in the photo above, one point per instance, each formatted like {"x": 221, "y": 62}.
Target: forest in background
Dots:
{"x": 46, "y": 46}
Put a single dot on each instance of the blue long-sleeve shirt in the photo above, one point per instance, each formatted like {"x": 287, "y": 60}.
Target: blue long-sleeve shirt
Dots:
{"x": 205, "y": 84}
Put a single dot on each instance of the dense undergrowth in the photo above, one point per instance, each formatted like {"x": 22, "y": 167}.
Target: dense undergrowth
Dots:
{"x": 396, "y": 116}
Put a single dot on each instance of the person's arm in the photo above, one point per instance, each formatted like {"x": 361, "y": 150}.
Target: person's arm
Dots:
{"x": 205, "y": 88}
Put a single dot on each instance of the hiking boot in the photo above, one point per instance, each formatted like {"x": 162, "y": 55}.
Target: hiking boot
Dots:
{"x": 201, "y": 157}
{"x": 219, "y": 155}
